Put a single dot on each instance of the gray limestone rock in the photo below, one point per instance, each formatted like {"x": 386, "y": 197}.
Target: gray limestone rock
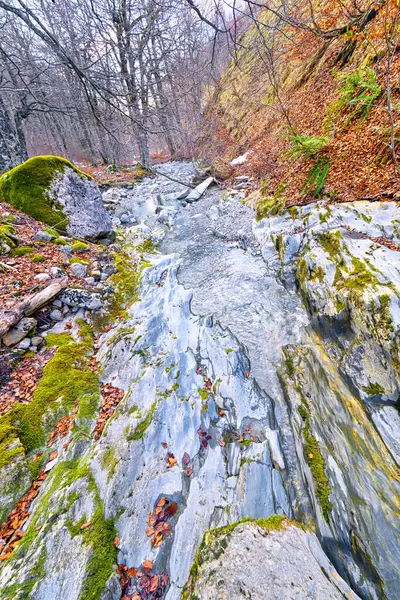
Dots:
{"x": 82, "y": 298}
{"x": 78, "y": 270}
{"x": 19, "y": 332}
{"x": 252, "y": 562}
{"x": 81, "y": 201}
{"x": 42, "y": 236}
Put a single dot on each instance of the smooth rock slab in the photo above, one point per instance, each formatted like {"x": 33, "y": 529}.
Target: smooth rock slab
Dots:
{"x": 250, "y": 562}
{"x": 21, "y": 330}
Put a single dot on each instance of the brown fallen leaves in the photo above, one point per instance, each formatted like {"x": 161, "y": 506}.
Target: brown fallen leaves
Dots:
{"x": 62, "y": 428}
{"x": 11, "y": 531}
{"x": 157, "y": 521}
{"x": 24, "y": 380}
{"x": 142, "y": 584}
{"x": 112, "y": 396}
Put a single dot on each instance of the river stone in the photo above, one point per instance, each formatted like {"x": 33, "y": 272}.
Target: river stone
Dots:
{"x": 53, "y": 190}
{"x": 43, "y": 277}
{"x": 36, "y": 340}
{"x": 19, "y": 332}
{"x": 82, "y": 298}
{"x": 250, "y": 562}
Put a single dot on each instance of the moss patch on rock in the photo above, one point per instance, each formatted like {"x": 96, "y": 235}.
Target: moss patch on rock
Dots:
{"x": 26, "y": 188}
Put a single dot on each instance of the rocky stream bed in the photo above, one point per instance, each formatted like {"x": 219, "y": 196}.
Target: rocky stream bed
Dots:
{"x": 259, "y": 364}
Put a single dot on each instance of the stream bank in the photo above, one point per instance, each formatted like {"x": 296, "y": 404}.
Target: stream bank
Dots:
{"x": 238, "y": 360}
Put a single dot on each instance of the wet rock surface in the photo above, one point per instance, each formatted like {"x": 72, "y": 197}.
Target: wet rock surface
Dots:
{"x": 240, "y": 397}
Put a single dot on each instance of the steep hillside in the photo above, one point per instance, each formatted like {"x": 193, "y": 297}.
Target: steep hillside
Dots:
{"x": 312, "y": 110}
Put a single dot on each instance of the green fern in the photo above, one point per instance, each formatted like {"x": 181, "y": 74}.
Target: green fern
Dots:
{"x": 306, "y": 146}
{"x": 358, "y": 92}
{"x": 317, "y": 177}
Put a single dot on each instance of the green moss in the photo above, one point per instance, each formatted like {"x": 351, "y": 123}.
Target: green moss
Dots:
{"x": 271, "y": 206}
{"x": 210, "y": 543}
{"x": 294, "y": 212}
{"x": 26, "y": 188}
{"x": 60, "y": 241}
{"x": 229, "y": 350}
{"x": 290, "y": 366}
{"x": 203, "y": 394}
{"x": 373, "y": 389}
{"x": 24, "y": 590}
{"x": 146, "y": 246}
{"x": 7, "y": 229}
{"x": 316, "y": 462}
{"x": 52, "y": 232}
{"x": 109, "y": 461}
{"x": 80, "y": 247}
{"x": 98, "y": 537}
{"x": 58, "y": 339}
{"x": 37, "y": 258}
{"x": 67, "y": 381}
{"x": 331, "y": 243}
{"x": 80, "y": 261}
{"x": 22, "y": 251}
{"x": 360, "y": 277}
{"x": 143, "y": 426}
{"x": 8, "y": 219}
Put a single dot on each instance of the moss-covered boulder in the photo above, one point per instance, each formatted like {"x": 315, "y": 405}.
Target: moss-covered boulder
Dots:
{"x": 53, "y": 190}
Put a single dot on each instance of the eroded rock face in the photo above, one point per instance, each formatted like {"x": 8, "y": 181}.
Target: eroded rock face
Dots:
{"x": 250, "y": 561}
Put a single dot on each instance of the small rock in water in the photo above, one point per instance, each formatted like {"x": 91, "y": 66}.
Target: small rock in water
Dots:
{"x": 78, "y": 270}
{"x": 124, "y": 218}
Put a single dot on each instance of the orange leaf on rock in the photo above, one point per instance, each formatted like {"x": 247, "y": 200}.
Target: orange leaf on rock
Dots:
{"x": 147, "y": 566}
{"x": 171, "y": 509}
{"x": 117, "y": 542}
{"x": 86, "y": 525}
{"x": 149, "y": 532}
{"x": 132, "y": 572}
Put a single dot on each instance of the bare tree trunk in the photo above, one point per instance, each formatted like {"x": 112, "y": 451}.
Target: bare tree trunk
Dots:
{"x": 10, "y": 150}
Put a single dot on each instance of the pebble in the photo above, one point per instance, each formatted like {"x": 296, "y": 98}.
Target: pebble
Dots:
{"x": 78, "y": 270}
{"x": 42, "y": 236}
{"x": 56, "y": 272}
{"x": 57, "y": 303}
{"x": 36, "y": 340}
{"x": 67, "y": 249}
{"x": 24, "y": 344}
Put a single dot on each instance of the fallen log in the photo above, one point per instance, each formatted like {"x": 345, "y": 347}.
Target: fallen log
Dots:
{"x": 11, "y": 315}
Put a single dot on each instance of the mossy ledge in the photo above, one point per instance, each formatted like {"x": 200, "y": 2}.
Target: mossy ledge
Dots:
{"x": 67, "y": 381}
{"x": 26, "y": 188}
{"x": 99, "y": 537}
{"x": 273, "y": 523}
